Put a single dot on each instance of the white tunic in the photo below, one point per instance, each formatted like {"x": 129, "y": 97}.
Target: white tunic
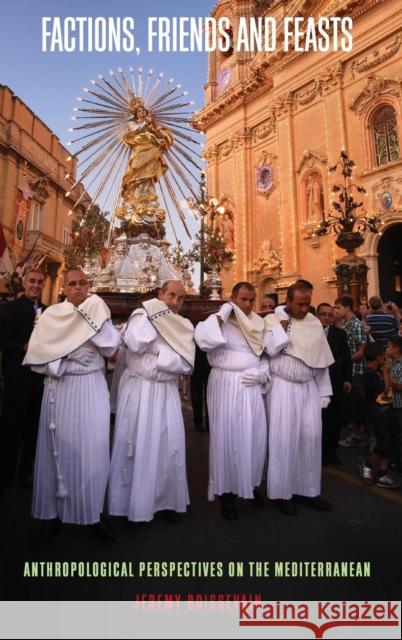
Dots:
{"x": 238, "y": 430}
{"x": 148, "y": 470}
{"x": 294, "y": 424}
{"x": 74, "y": 458}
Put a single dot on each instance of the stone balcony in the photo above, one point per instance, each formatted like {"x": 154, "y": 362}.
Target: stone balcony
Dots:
{"x": 46, "y": 245}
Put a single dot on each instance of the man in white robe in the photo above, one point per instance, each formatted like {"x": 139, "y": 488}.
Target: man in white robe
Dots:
{"x": 148, "y": 470}
{"x": 234, "y": 341}
{"x": 300, "y": 387}
{"x": 68, "y": 345}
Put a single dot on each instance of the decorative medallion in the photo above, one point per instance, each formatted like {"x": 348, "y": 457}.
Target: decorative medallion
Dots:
{"x": 386, "y": 200}
{"x": 224, "y": 79}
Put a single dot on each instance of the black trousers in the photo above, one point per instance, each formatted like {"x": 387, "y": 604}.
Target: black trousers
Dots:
{"x": 331, "y": 426}
{"x": 22, "y": 399}
{"x": 198, "y": 387}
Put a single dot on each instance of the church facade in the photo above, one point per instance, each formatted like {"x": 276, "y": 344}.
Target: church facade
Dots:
{"x": 276, "y": 121}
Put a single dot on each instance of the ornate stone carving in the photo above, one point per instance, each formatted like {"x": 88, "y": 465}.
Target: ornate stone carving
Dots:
{"x": 211, "y": 154}
{"x": 264, "y": 129}
{"x": 268, "y": 258}
{"x": 241, "y": 138}
{"x": 376, "y": 56}
{"x": 377, "y": 87}
{"x": 284, "y": 103}
{"x": 310, "y": 159}
{"x": 225, "y": 149}
{"x": 331, "y": 76}
{"x": 39, "y": 188}
{"x": 265, "y": 173}
{"x": 307, "y": 95}
{"x": 387, "y": 196}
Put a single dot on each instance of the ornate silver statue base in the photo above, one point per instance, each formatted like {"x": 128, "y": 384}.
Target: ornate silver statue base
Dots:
{"x": 136, "y": 265}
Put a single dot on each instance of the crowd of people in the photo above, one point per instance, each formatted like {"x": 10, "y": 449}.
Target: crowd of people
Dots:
{"x": 279, "y": 388}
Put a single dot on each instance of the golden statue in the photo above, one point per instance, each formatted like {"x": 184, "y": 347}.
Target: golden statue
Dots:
{"x": 146, "y": 166}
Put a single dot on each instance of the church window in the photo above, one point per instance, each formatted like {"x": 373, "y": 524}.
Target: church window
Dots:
{"x": 385, "y": 135}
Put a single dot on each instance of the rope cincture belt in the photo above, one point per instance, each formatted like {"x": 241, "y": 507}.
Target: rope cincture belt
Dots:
{"x": 61, "y": 491}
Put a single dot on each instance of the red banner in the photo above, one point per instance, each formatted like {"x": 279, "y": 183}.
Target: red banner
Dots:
{"x": 22, "y": 209}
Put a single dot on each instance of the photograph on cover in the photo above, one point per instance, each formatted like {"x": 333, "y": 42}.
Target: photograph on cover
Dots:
{"x": 200, "y": 300}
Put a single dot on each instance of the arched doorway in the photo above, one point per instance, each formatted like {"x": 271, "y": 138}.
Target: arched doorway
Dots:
{"x": 267, "y": 288}
{"x": 390, "y": 264}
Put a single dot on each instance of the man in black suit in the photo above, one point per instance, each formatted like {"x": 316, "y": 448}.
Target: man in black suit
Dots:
{"x": 23, "y": 388}
{"x": 341, "y": 379}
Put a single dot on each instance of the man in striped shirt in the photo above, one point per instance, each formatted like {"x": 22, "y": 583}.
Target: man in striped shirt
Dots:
{"x": 356, "y": 337}
{"x": 382, "y": 325}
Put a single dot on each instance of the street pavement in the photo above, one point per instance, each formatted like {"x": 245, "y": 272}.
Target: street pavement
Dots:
{"x": 363, "y": 525}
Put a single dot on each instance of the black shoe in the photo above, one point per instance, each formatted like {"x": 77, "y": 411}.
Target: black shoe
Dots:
{"x": 287, "y": 507}
{"x": 135, "y": 525}
{"x": 316, "y": 503}
{"x": 258, "y": 500}
{"x": 104, "y": 530}
{"x": 171, "y": 516}
{"x": 228, "y": 506}
{"x": 46, "y": 532}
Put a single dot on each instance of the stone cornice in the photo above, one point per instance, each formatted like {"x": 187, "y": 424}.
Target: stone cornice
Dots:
{"x": 239, "y": 94}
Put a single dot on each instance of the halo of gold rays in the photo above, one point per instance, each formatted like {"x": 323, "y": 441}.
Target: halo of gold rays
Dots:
{"x": 101, "y": 120}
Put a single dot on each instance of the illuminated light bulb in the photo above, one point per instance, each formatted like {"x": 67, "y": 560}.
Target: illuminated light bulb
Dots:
{"x": 150, "y": 72}
{"x": 220, "y": 209}
{"x": 93, "y": 81}
{"x": 66, "y": 176}
{"x": 100, "y": 76}
{"x": 68, "y": 193}
{"x": 70, "y": 212}
{"x": 68, "y": 144}
{"x": 111, "y": 72}
{"x": 70, "y": 129}
{"x": 160, "y": 75}
{"x": 131, "y": 69}
{"x": 86, "y": 89}
{"x": 120, "y": 70}
{"x": 75, "y": 109}
{"x": 68, "y": 159}
{"x": 79, "y": 98}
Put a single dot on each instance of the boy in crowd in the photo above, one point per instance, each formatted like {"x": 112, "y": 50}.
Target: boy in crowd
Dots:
{"x": 380, "y": 417}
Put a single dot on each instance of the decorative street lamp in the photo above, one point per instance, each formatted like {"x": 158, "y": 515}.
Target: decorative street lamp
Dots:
{"x": 347, "y": 224}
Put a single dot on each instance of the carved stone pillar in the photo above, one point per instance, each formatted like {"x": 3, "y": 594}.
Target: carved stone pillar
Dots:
{"x": 351, "y": 273}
